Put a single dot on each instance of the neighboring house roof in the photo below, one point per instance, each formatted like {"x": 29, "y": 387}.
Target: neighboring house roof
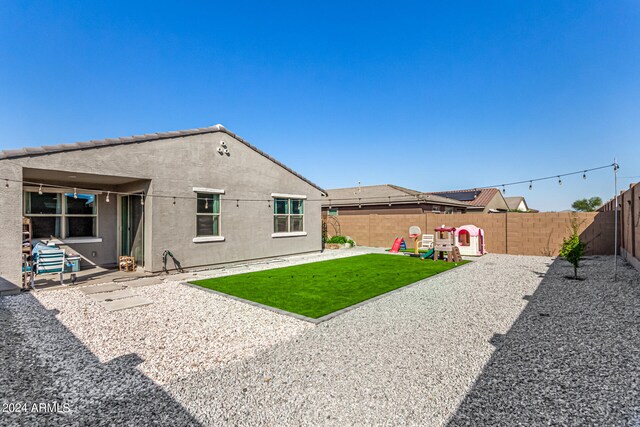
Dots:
{"x": 382, "y": 194}
{"x": 515, "y": 201}
{"x": 51, "y": 149}
{"x": 476, "y": 197}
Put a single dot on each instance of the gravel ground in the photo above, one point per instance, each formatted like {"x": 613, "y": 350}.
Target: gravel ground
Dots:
{"x": 504, "y": 340}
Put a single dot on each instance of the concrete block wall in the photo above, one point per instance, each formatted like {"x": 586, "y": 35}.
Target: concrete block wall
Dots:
{"x": 513, "y": 233}
{"x": 629, "y": 222}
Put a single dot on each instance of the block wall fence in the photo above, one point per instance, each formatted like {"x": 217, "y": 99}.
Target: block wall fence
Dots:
{"x": 505, "y": 233}
{"x": 629, "y": 223}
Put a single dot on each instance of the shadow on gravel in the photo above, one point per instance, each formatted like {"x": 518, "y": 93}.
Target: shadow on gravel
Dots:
{"x": 571, "y": 358}
{"x": 43, "y": 363}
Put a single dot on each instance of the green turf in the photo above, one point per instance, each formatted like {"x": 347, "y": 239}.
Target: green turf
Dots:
{"x": 410, "y": 250}
{"x": 320, "y": 288}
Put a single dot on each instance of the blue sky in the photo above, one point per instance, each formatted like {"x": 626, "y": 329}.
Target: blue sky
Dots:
{"x": 428, "y": 95}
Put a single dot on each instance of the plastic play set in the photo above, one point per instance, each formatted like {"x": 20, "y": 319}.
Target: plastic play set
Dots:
{"x": 448, "y": 243}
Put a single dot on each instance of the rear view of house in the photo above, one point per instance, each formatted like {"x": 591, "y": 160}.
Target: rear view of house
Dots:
{"x": 204, "y": 194}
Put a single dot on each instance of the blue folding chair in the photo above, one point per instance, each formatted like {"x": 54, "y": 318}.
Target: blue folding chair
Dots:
{"x": 49, "y": 261}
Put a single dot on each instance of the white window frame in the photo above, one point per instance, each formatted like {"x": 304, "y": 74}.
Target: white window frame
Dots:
{"x": 63, "y": 215}
{"x": 289, "y": 198}
{"x": 219, "y": 237}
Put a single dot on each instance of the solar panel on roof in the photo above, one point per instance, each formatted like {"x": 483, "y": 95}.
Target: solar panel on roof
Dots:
{"x": 462, "y": 196}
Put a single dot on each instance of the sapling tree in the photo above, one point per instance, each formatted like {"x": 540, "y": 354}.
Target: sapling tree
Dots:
{"x": 573, "y": 248}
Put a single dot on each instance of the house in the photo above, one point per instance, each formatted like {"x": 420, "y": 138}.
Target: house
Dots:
{"x": 517, "y": 204}
{"x": 478, "y": 200}
{"x": 386, "y": 199}
{"x": 205, "y": 194}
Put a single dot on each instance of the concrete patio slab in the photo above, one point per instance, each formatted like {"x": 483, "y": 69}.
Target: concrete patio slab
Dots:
{"x": 107, "y": 287}
{"x": 123, "y": 304}
{"x": 114, "y": 295}
{"x": 147, "y": 281}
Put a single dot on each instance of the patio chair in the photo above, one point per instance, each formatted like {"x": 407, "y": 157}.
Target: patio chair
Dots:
{"x": 49, "y": 261}
{"x": 427, "y": 241}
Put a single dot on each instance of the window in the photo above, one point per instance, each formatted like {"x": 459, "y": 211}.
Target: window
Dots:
{"x": 435, "y": 209}
{"x": 62, "y": 215}
{"x": 208, "y": 215}
{"x": 288, "y": 215}
{"x": 80, "y": 215}
{"x": 448, "y": 210}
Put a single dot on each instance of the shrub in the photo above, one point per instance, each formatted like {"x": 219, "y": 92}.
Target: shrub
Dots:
{"x": 573, "y": 248}
{"x": 340, "y": 240}
{"x": 337, "y": 239}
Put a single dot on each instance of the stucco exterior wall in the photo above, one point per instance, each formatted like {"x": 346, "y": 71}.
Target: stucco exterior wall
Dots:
{"x": 10, "y": 227}
{"x": 174, "y": 167}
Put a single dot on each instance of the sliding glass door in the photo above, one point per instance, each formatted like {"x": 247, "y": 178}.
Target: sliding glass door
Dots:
{"x": 132, "y": 228}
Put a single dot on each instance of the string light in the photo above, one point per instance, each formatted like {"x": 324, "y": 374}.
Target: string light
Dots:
{"x": 142, "y": 199}
{"x": 584, "y": 175}
{"x": 504, "y": 190}
{"x": 379, "y": 199}
{"x": 40, "y": 190}
{"x": 206, "y": 203}
{"x": 359, "y": 204}
{"x": 107, "y": 199}
{"x": 75, "y": 193}
{"x": 389, "y": 200}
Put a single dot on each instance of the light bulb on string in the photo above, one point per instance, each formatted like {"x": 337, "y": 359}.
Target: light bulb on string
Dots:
{"x": 174, "y": 201}
{"x": 530, "y": 185}
{"x": 389, "y": 200}
{"x": 504, "y": 190}
{"x": 559, "y": 181}
{"x": 142, "y": 199}
{"x": 40, "y": 190}
{"x": 6, "y": 184}
{"x": 206, "y": 203}
{"x": 107, "y": 199}
{"x": 584, "y": 175}
{"x": 75, "y": 193}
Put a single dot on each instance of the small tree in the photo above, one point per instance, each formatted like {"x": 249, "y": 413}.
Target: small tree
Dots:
{"x": 573, "y": 248}
{"x": 587, "y": 205}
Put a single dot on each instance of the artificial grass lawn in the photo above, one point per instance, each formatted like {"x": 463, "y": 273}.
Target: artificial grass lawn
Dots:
{"x": 409, "y": 250}
{"x": 320, "y": 288}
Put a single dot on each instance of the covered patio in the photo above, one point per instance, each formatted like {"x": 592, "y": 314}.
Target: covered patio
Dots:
{"x": 87, "y": 220}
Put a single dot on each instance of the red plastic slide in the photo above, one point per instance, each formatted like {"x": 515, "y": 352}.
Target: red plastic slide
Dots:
{"x": 396, "y": 245}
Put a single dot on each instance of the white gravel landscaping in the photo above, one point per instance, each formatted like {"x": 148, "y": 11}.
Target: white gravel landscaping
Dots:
{"x": 504, "y": 340}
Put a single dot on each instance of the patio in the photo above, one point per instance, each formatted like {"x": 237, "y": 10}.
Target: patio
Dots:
{"x": 504, "y": 340}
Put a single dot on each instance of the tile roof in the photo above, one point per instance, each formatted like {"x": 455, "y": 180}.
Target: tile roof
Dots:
{"x": 381, "y": 194}
{"x": 50, "y": 149}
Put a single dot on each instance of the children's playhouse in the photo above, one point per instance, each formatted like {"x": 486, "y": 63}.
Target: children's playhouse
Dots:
{"x": 470, "y": 240}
